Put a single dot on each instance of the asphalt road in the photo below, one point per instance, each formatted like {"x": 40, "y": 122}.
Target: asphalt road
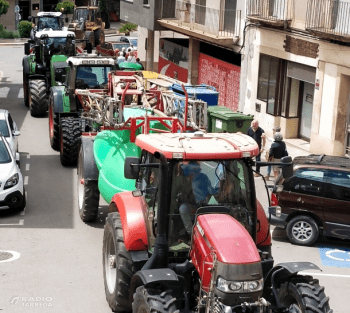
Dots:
{"x": 59, "y": 268}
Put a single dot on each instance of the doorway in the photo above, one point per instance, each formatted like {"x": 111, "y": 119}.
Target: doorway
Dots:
{"x": 24, "y": 10}
{"x": 307, "y": 102}
{"x": 49, "y": 5}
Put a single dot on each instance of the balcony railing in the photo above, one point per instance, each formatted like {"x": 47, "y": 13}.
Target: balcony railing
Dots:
{"x": 329, "y": 17}
{"x": 270, "y": 10}
{"x": 225, "y": 23}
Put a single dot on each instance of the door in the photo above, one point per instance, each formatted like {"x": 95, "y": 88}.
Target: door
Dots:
{"x": 24, "y": 10}
{"x": 230, "y": 16}
{"x": 306, "y": 111}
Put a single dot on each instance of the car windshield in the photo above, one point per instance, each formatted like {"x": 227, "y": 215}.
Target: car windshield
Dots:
{"x": 4, "y": 130}
{"x": 120, "y": 46}
{"x": 134, "y": 42}
{"x": 48, "y": 22}
{"x": 4, "y": 154}
{"x": 92, "y": 77}
{"x": 81, "y": 14}
{"x": 55, "y": 41}
{"x": 208, "y": 183}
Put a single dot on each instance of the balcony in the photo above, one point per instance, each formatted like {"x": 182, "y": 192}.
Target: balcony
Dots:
{"x": 272, "y": 12}
{"x": 209, "y": 24}
{"x": 329, "y": 19}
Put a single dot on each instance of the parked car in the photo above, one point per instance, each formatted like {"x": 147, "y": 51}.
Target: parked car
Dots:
{"x": 8, "y": 128}
{"x": 111, "y": 48}
{"x": 129, "y": 40}
{"x": 12, "y": 193}
{"x": 316, "y": 199}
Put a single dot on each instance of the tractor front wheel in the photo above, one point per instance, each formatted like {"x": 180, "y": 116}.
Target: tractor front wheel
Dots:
{"x": 303, "y": 294}
{"x": 117, "y": 265}
{"x": 147, "y": 300}
{"x": 88, "y": 193}
{"x": 54, "y": 126}
{"x": 70, "y": 132}
{"x": 38, "y": 97}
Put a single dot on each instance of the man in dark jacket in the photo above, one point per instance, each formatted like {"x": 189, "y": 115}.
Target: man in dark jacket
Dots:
{"x": 258, "y": 134}
{"x": 277, "y": 151}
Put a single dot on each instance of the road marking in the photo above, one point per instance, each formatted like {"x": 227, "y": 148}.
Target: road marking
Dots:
{"x": 26, "y": 180}
{"x": 28, "y": 156}
{"x": 15, "y": 256}
{"x": 339, "y": 257}
{"x": 20, "y": 93}
{"x": 331, "y": 275}
{"x": 20, "y": 223}
{"x": 23, "y": 212}
{"x": 27, "y": 167}
{"x": 4, "y": 91}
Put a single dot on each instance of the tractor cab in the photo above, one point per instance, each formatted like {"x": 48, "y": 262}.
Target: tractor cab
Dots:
{"x": 46, "y": 21}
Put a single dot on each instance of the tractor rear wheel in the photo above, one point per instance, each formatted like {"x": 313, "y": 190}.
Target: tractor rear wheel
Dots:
{"x": 99, "y": 37}
{"x": 147, "y": 300}
{"x": 70, "y": 132}
{"x": 54, "y": 126}
{"x": 117, "y": 265}
{"x": 25, "y": 89}
{"x": 38, "y": 97}
{"x": 303, "y": 294}
{"x": 88, "y": 193}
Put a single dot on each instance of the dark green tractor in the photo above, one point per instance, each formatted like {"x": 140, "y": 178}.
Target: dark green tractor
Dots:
{"x": 43, "y": 57}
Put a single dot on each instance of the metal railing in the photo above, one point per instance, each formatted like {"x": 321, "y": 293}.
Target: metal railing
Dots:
{"x": 329, "y": 16}
{"x": 273, "y": 10}
{"x": 218, "y": 22}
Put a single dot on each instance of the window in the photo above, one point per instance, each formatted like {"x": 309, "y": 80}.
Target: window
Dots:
{"x": 145, "y": 2}
{"x": 4, "y": 128}
{"x": 338, "y": 185}
{"x": 4, "y": 154}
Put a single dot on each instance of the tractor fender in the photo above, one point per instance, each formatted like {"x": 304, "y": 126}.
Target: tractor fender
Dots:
{"x": 25, "y": 64}
{"x": 90, "y": 171}
{"x": 57, "y": 94}
{"x": 285, "y": 270}
{"x": 132, "y": 212}
{"x": 263, "y": 236}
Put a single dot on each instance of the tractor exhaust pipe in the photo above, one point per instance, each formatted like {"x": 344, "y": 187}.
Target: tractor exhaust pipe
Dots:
{"x": 159, "y": 258}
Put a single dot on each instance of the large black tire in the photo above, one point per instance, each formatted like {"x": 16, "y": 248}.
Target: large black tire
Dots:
{"x": 302, "y": 230}
{"x": 24, "y": 201}
{"x": 117, "y": 265}
{"x": 88, "y": 193}
{"x": 99, "y": 37}
{"x": 54, "y": 126}
{"x": 25, "y": 89}
{"x": 90, "y": 36}
{"x": 303, "y": 294}
{"x": 105, "y": 18}
{"x": 38, "y": 97}
{"x": 70, "y": 132}
{"x": 147, "y": 300}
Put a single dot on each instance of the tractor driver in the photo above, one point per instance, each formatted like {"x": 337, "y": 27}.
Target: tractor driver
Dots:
{"x": 201, "y": 189}
{"x": 86, "y": 74}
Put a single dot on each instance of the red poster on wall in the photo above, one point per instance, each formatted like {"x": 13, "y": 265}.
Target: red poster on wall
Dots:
{"x": 223, "y": 76}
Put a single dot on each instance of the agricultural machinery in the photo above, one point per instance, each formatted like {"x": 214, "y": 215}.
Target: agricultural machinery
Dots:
{"x": 46, "y": 21}
{"x": 43, "y": 58}
{"x": 87, "y": 24}
{"x": 192, "y": 236}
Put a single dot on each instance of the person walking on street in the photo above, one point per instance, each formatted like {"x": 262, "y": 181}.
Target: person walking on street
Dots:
{"x": 278, "y": 150}
{"x": 258, "y": 134}
{"x": 121, "y": 58}
{"x": 276, "y": 129}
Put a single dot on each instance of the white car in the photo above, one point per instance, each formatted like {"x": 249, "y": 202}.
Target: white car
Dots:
{"x": 12, "y": 193}
{"x": 8, "y": 128}
{"x": 132, "y": 41}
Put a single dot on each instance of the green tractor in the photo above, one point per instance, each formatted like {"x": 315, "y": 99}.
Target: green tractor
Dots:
{"x": 44, "y": 56}
{"x": 88, "y": 72}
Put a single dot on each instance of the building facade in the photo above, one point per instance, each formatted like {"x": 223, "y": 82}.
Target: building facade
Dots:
{"x": 296, "y": 70}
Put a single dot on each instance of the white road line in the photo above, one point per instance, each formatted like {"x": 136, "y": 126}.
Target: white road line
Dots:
{"x": 4, "y": 91}
{"x": 20, "y": 93}
{"x": 26, "y": 180}
{"x": 331, "y": 275}
{"x": 28, "y": 156}
{"x": 27, "y": 167}
{"x": 23, "y": 212}
{"x": 21, "y": 222}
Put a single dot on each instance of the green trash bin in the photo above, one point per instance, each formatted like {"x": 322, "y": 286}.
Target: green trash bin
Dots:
{"x": 213, "y": 109}
{"x": 229, "y": 121}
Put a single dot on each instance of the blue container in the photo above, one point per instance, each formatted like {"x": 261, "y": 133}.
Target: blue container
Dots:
{"x": 203, "y": 92}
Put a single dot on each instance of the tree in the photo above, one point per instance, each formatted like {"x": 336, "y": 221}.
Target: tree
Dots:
{"x": 66, "y": 7}
{"x": 4, "y": 6}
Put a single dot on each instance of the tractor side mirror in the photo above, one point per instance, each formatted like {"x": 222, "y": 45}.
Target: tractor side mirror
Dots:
{"x": 132, "y": 168}
{"x": 89, "y": 47}
{"x": 287, "y": 167}
{"x": 26, "y": 48}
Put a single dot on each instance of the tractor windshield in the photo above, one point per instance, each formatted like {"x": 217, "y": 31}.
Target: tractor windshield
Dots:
{"x": 53, "y": 42}
{"x": 207, "y": 183}
{"x": 92, "y": 77}
{"x": 81, "y": 15}
{"x": 49, "y": 22}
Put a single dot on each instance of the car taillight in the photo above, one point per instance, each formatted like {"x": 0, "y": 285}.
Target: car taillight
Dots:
{"x": 274, "y": 200}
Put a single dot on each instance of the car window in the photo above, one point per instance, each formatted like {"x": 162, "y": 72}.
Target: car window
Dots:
{"x": 307, "y": 181}
{"x": 4, "y": 128}
{"x": 134, "y": 42}
{"x": 4, "y": 154}
{"x": 11, "y": 122}
{"x": 338, "y": 185}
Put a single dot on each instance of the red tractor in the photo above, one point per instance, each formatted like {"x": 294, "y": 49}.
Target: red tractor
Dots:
{"x": 193, "y": 237}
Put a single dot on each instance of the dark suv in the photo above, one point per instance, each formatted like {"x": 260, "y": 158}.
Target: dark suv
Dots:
{"x": 315, "y": 199}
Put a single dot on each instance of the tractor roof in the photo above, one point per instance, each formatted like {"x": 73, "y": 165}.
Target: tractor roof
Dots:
{"x": 87, "y": 7}
{"x": 199, "y": 146}
{"x": 40, "y": 14}
{"x": 90, "y": 60}
{"x": 55, "y": 33}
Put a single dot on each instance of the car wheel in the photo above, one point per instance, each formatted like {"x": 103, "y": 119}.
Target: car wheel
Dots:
{"x": 302, "y": 230}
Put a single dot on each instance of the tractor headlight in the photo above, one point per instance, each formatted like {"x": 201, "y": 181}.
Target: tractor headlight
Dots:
{"x": 239, "y": 286}
{"x": 12, "y": 181}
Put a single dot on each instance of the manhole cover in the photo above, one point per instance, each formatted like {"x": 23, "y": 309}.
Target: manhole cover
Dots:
{"x": 5, "y": 256}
